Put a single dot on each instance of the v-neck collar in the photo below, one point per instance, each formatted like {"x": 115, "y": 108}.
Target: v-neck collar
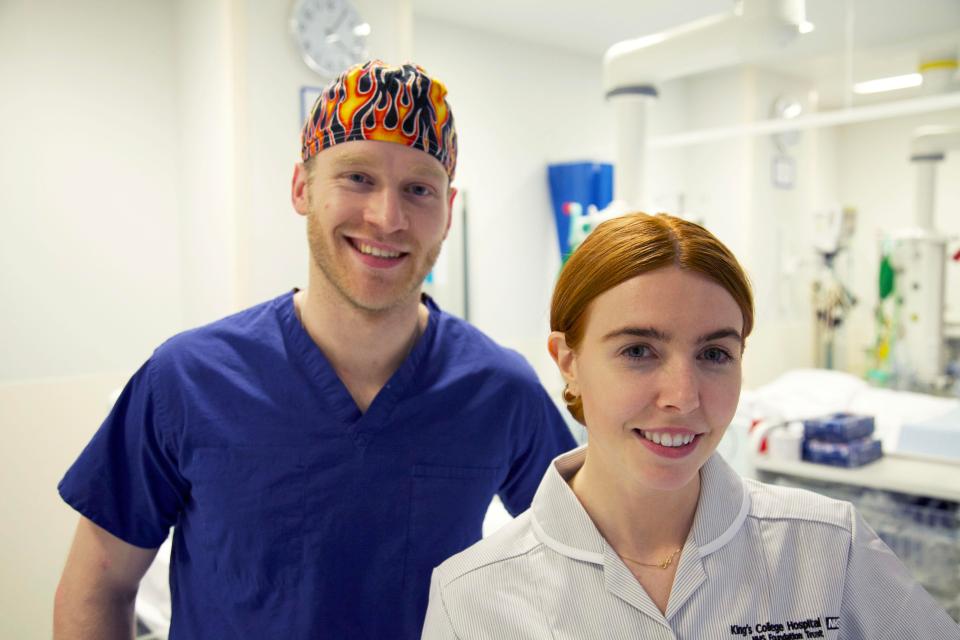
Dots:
{"x": 333, "y": 394}
{"x": 561, "y": 523}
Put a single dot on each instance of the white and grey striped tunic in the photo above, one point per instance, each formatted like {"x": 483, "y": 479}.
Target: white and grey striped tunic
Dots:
{"x": 759, "y": 562}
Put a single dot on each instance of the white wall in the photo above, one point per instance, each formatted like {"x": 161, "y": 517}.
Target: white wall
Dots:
{"x": 89, "y": 253}
{"x": 45, "y": 424}
{"x": 272, "y": 240}
{"x": 518, "y": 107}
{"x": 207, "y": 53}
{"x": 88, "y": 185}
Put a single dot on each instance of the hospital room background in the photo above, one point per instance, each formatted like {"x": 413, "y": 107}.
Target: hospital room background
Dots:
{"x": 146, "y": 148}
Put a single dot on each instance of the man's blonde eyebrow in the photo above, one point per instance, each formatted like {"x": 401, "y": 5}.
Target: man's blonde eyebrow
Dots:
{"x": 427, "y": 169}
{"x": 366, "y": 159}
{"x": 354, "y": 158}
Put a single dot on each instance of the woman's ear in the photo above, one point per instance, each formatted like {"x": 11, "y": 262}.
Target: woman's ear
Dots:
{"x": 565, "y": 357}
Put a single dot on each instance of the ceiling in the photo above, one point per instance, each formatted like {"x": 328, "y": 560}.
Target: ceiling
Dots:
{"x": 560, "y": 23}
{"x": 886, "y": 34}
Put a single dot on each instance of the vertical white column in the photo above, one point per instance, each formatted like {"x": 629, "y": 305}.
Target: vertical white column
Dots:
{"x": 207, "y": 113}
{"x": 921, "y": 257}
{"x": 924, "y": 291}
{"x": 925, "y": 190}
{"x": 630, "y": 123}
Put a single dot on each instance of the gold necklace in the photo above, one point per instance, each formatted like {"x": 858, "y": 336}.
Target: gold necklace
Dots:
{"x": 663, "y": 564}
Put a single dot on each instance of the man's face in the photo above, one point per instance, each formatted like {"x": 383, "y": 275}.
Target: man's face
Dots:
{"x": 377, "y": 214}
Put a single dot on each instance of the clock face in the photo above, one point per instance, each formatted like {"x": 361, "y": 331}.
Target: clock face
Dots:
{"x": 330, "y": 33}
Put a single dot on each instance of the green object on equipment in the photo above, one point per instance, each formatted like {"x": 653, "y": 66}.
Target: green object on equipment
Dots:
{"x": 887, "y": 277}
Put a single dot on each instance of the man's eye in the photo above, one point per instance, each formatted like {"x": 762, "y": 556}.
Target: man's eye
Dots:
{"x": 716, "y": 355}
{"x": 420, "y": 190}
{"x": 357, "y": 177}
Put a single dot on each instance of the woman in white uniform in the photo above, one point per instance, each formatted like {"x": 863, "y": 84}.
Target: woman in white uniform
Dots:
{"x": 645, "y": 532}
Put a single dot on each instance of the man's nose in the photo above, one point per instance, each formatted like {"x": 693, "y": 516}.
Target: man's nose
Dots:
{"x": 385, "y": 211}
{"x": 679, "y": 388}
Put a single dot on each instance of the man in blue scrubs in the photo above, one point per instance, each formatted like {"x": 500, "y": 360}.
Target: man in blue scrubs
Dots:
{"x": 318, "y": 454}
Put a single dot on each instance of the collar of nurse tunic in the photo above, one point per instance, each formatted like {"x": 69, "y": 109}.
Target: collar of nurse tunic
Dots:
{"x": 561, "y": 523}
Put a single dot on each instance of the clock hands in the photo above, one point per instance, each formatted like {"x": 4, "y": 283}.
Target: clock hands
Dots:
{"x": 339, "y": 21}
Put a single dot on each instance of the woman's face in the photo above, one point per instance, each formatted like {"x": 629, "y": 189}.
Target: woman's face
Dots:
{"x": 659, "y": 372}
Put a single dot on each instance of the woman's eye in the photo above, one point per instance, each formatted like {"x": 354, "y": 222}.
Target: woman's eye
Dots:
{"x": 357, "y": 177}
{"x": 637, "y": 351}
{"x": 716, "y": 355}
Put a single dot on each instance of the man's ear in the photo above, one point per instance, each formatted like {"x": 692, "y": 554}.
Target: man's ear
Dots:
{"x": 299, "y": 189}
{"x": 453, "y": 194}
{"x": 566, "y": 359}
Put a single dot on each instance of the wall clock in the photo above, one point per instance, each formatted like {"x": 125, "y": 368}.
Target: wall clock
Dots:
{"x": 330, "y": 34}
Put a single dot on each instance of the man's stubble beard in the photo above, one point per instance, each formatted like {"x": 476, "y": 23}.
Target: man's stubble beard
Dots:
{"x": 325, "y": 260}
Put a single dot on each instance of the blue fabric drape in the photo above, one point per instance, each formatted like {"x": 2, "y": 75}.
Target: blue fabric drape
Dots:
{"x": 585, "y": 183}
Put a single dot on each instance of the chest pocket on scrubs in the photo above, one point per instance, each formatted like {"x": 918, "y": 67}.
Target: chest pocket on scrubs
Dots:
{"x": 249, "y": 513}
{"x": 446, "y": 513}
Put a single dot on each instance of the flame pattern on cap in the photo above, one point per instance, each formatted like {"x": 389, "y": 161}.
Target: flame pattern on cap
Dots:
{"x": 374, "y": 101}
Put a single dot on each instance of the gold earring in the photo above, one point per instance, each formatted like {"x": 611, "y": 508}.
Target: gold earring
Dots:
{"x": 569, "y": 396}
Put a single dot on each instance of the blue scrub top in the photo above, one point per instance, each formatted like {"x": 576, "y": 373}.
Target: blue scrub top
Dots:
{"x": 296, "y": 515}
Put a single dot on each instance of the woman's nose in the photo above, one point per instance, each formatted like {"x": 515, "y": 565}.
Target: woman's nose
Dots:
{"x": 679, "y": 388}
